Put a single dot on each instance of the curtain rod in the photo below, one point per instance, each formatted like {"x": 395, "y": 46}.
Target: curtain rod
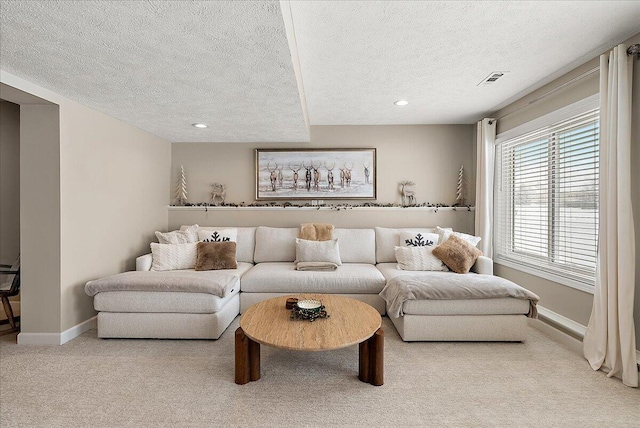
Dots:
{"x": 632, "y": 50}
{"x": 552, "y": 91}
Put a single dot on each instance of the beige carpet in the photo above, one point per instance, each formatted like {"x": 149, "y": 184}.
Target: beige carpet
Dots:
{"x": 90, "y": 382}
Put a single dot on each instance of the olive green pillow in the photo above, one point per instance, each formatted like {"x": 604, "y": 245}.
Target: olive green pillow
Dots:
{"x": 458, "y": 254}
{"x": 216, "y": 255}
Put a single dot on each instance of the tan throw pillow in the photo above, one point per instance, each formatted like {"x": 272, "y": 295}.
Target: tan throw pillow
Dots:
{"x": 316, "y": 231}
{"x": 216, "y": 255}
{"x": 458, "y": 254}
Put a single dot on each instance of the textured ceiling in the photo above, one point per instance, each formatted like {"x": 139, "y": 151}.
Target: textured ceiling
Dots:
{"x": 358, "y": 57}
{"x": 163, "y": 65}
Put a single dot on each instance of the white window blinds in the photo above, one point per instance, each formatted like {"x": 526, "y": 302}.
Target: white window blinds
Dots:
{"x": 547, "y": 199}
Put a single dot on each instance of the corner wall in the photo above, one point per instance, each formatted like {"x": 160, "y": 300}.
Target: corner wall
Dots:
{"x": 91, "y": 219}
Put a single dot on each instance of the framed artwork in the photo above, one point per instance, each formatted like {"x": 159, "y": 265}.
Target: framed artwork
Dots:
{"x": 315, "y": 174}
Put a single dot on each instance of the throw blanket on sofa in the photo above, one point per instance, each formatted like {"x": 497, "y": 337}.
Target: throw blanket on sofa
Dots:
{"x": 210, "y": 282}
{"x": 451, "y": 286}
{"x": 317, "y": 266}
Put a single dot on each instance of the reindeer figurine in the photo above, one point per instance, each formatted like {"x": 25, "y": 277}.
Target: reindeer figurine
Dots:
{"x": 295, "y": 175}
{"x": 218, "y": 193}
{"x": 272, "y": 176}
{"x": 408, "y": 196}
{"x": 330, "y": 175}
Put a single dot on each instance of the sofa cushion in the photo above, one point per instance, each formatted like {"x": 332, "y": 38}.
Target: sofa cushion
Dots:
{"x": 418, "y": 258}
{"x": 185, "y": 235}
{"x": 387, "y": 239}
{"x": 275, "y": 244}
{"x": 457, "y": 253}
{"x": 357, "y": 245}
{"x": 318, "y": 251}
{"x": 245, "y": 240}
{"x": 284, "y": 278}
{"x": 216, "y": 255}
{"x": 223, "y": 234}
{"x": 173, "y": 256}
{"x": 161, "y": 301}
{"x": 504, "y": 306}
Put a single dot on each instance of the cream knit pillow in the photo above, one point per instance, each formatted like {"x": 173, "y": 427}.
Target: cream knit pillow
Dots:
{"x": 418, "y": 258}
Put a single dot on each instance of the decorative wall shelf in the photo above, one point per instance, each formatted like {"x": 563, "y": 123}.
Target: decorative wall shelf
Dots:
{"x": 312, "y": 208}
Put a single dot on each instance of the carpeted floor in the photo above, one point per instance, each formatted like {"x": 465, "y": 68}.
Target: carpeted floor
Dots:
{"x": 90, "y": 382}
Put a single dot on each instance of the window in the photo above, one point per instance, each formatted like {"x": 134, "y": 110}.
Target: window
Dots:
{"x": 546, "y": 220}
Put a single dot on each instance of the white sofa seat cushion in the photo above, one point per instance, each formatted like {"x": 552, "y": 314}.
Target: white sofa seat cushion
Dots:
{"x": 503, "y": 306}
{"x": 282, "y": 277}
{"x": 161, "y": 302}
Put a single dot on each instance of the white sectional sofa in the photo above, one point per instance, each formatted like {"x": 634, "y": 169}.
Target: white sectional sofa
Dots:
{"x": 266, "y": 269}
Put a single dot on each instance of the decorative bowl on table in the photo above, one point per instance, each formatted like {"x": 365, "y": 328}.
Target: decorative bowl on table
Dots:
{"x": 308, "y": 310}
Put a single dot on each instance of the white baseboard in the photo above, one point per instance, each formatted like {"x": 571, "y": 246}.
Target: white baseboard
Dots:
{"x": 549, "y": 319}
{"x": 57, "y": 338}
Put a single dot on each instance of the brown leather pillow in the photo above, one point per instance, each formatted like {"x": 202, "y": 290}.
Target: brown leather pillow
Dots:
{"x": 458, "y": 254}
{"x": 216, "y": 255}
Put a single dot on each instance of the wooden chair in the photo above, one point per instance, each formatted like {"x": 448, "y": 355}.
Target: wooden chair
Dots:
{"x": 9, "y": 286}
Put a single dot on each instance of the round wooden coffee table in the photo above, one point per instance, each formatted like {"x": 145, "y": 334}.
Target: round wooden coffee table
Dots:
{"x": 350, "y": 322}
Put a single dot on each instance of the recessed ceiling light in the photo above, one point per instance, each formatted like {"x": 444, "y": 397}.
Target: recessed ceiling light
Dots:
{"x": 200, "y": 125}
{"x": 401, "y": 102}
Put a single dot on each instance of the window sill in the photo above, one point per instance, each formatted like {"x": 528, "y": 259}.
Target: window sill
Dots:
{"x": 548, "y": 276}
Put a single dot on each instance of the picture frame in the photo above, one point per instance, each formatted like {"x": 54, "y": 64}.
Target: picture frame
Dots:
{"x": 316, "y": 174}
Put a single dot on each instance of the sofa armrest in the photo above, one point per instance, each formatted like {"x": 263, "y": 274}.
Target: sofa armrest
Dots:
{"x": 483, "y": 265}
{"x": 144, "y": 262}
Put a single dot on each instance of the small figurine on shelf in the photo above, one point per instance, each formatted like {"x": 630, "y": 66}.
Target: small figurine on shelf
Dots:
{"x": 408, "y": 196}
{"x": 181, "y": 188}
{"x": 460, "y": 188}
{"x": 218, "y": 193}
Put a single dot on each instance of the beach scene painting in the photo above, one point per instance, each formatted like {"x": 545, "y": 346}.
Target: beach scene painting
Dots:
{"x": 315, "y": 174}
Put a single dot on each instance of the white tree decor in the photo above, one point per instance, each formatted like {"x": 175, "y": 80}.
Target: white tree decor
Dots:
{"x": 181, "y": 188}
{"x": 460, "y": 187}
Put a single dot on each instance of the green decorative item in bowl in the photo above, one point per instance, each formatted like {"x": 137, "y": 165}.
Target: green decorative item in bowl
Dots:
{"x": 308, "y": 310}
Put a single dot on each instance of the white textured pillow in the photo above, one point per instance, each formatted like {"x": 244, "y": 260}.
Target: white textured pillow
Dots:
{"x": 318, "y": 251}
{"x": 446, "y": 233}
{"x": 218, "y": 235}
{"x": 174, "y": 256}
{"x": 418, "y": 258}
{"x": 418, "y": 239}
{"x": 188, "y": 234}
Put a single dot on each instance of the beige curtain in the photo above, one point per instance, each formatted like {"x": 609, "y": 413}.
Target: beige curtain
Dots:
{"x": 610, "y": 340}
{"x": 486, "y": 137}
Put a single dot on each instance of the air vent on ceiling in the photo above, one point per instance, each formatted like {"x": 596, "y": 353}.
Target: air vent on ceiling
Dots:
{"x": 492, "y": 78}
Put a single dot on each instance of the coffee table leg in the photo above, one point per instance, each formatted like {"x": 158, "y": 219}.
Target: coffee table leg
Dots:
{"x": 377, "y": 358}
{"x": 364, "y": 371}
{"x": 242, "y": 357}
{"x": 254, "y": 360}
